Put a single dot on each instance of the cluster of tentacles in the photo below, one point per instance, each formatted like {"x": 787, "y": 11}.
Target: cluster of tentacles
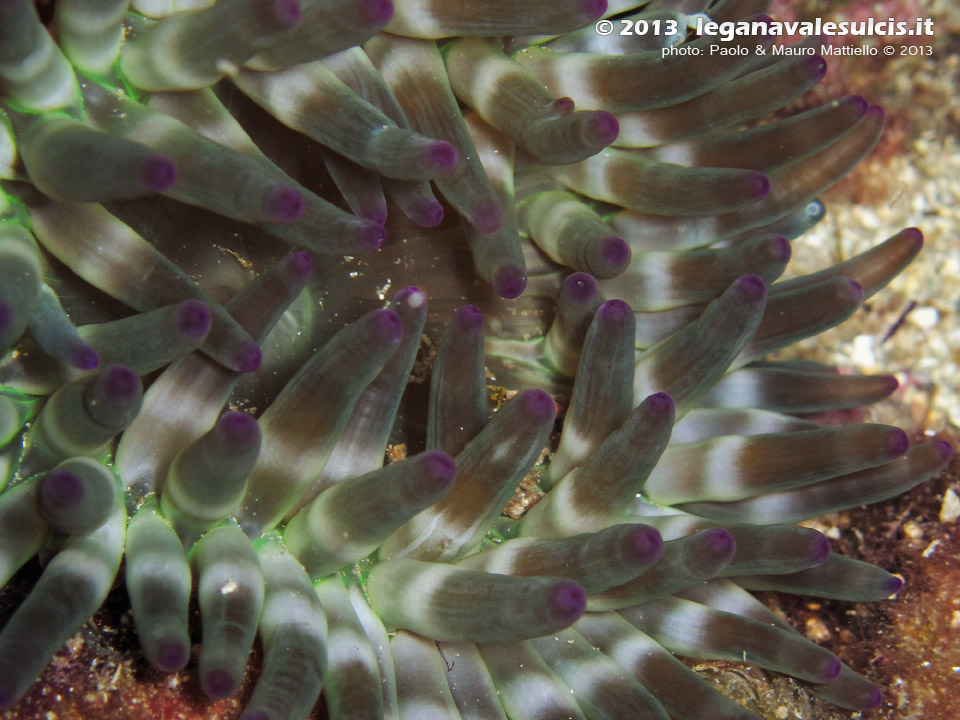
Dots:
{"x": 616, "y": 224}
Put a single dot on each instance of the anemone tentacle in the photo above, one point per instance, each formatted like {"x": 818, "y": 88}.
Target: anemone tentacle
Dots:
{"x": 181, "y": 390}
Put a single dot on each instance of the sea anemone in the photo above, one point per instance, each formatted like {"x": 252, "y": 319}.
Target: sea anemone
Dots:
{"x": 187, "y": 395}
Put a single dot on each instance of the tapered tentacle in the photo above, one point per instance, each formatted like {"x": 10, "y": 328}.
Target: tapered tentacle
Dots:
{"x": 185, "y": 401}
{"x": 688, "y": 628}
{"x": 112, "y": 257}
{"x": 422, "y": 689}
{"x": 205, "y": 481}
{"x": 90, "y": 32}
{"x": 664, "y": 280}
{"x": 349, "y": 520}
{"x": 21, "y": 276}
{"x": 681, "y": 691}
{"x": 439, "y": 19}
{"x": 73, "y": 585}
{"x": 451, "y": 604}
{"x": 596, "y": 561}
{"x": 839, "y": 493}
{"x": 458, "y": 401}
{"x": 515, "y": 668}
{"x": 150, "y": 340}
{"x": 763, "y": 463}
{"x": 642, "y": 80}
{"x": 312, "y": 100}
{"x": 50, "y": 327}
{"x": 326, "y": 27}
{"x": 782, "y": 389}
{"x": 414, "y": 71}
{"x": 498, "y": 256}
{"x": 33, "y": 71}
{"x": 361, "y": 445}
{"x": 597, "y": 494}
{"x": 158, "y": 583}
{"x": 56, "y": 150}
{"x": 293, "y": 629}
{"x": 572, "y": 234}
{"x": 839, "y": 578}
{"x": 186, "y": 51}
{"x": 689, "y": 362}
{"x": 745, "y": 98}
{"x": 685, "y": 562}
{"x": 509, "y": 98}
{"x": 649, "y": 186}
{"x": 577, "y": 303}
{"x": 474, "y": 692}
{"x": 224, "y": 561}
{"x": 489, "y": 468}
{"x": 352, "y": 683}
{"x": 602, "y": 393}
{"x": 81, "y": 418}
{"x": 299, "y": 434}
{"x": 77, "y": 496}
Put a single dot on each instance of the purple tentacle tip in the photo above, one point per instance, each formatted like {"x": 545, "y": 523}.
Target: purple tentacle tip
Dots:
{"x": 751, "y": 288}
{"x": 780, "y": 250}
{"x": 566, "y": 601}
{"x": 218, "y": 683}
{"x": 832, "y": 669}
{"x": 564, "y": 106}
{"x": 84, "y": 357}
{"x": 300, "y": 266}
{"x": 593, "y": 8}
{"x": 428, "y": 214}
{"x": 614, "y": 311}
{"x": 378, "y": 12}
{"x": 661, "y": 405}
{"x": 487, "y": 218}
{"x": 579, "y": 287}
{"x": 872, "y": 698}
{"x": 286, "y": 12}
{"x": 386, "y": 326}
{"x": 816, "y": 66}
{"x": 192, "y": 319}
{"x": 284, "y": 204}
{"x": 158, "y": 173}
{"x": 238, "y": 428}
{"x": 120, "y": 382}
{"x": 892, "y": 585}
{"x": 602, "y": 127}
{"x": 615, "y": 251}
{"x": 469, "y": 318}
{"x": 442, "y": 156}
{"x": 820, "y": 549}
{"x": 537, "y": 405}
{"x": 412, "y": 296}
{"x": 247, "y": 358}
{"x": 509, "y": 281}
{"x": 718, "y": 543}
{"x": 372, "y": 235}
{"x": 61, "y": 489}
{"x": 913, "y": 234}
{"x": 944, "y": 448}
{"x": 898, "y": 443}
{"x": 758, "y": 186}
{"x": 646, "y": 543}
{"x": 859, "y": 104}
{"x": 877, "y": 112}
{"x": 171, "y": 656}
{"x": 439, "y": 471}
